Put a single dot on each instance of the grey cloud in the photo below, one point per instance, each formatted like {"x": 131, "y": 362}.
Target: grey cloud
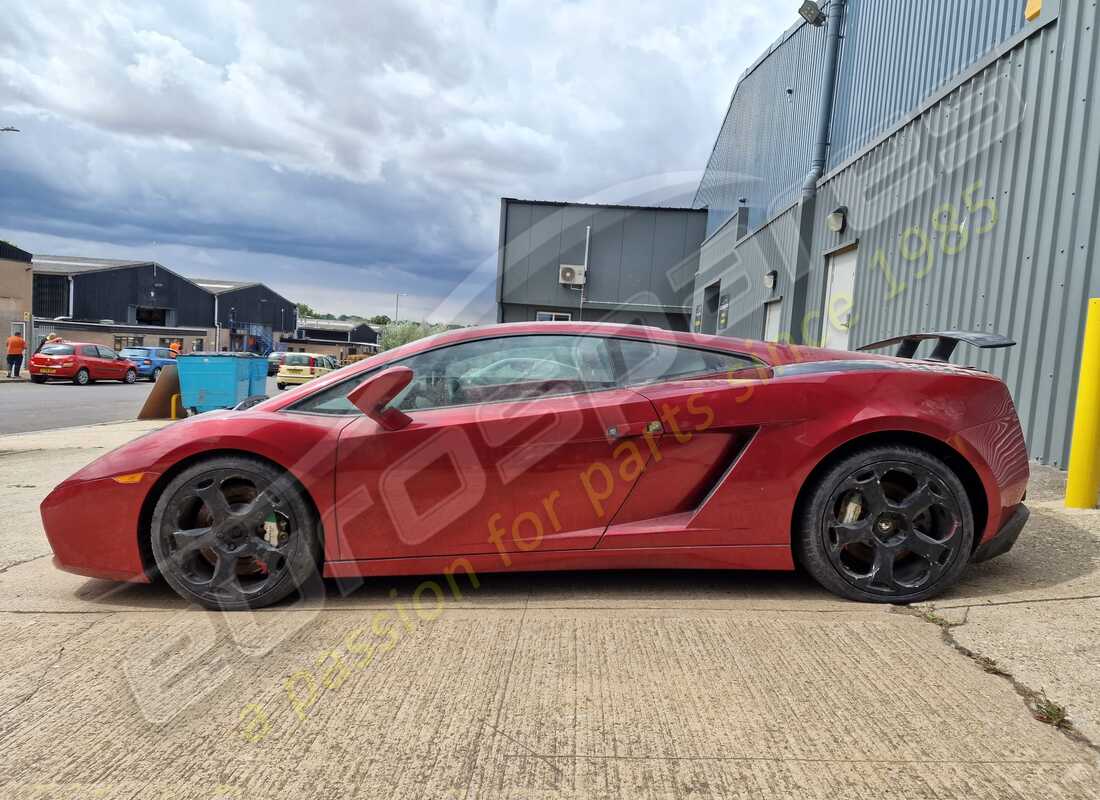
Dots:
{"x": 374, "y": 137}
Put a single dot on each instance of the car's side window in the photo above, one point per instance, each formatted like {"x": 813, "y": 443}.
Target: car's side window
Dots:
{"x": 90, "y": 350}
{"x": 487, "y": 370}
{"x": 504, "y": 369}
{"x": 107, "y": 353}
{"x": 651, "y": 362}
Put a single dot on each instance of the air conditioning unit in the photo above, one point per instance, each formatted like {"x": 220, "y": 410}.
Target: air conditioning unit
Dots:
{"x": 571, "y": 274}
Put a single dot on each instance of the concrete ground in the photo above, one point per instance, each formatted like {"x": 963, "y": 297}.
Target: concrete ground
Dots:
{"x": 25, "y": 406}
{"x": 658, "y": 684}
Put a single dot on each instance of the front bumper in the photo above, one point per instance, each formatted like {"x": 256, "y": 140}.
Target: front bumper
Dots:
{"x": 92, "y": 528}
{"x": 1005, "y": 538}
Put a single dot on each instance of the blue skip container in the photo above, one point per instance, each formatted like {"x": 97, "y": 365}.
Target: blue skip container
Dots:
{"x": 210, "y": 381}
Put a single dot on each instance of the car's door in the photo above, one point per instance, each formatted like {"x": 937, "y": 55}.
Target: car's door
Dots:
{"x": 516, "y": 443}
{"x": 113, "y": 368}
{"x": 699, "y": 445}
{"x": 90, "y": 360}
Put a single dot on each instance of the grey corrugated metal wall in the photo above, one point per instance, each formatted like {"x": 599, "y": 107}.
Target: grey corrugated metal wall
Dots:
{"x": 740, "y": 268}
{"x": 638, "y": 257}
{"x": 763, "y": 150}
{"x": 979, "y": 213}
{"x": 895, "y": 53}
{"x": 1030, "y": 148}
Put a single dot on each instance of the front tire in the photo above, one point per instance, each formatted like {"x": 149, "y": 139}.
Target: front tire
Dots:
{"x": 886, "y": 525}
{"x": 156, "y": 375}
{"x": 234, "y": 533}
{"x": 131, "y": 376}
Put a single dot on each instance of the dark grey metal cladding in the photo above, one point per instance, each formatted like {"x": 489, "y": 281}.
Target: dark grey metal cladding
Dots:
{"x": 359, "y": 333}
{"x": 258, "y": 305}
{"x": 641, "y": 259}
{"x": 51, "y": 296}
{"x": 115, "y": 293}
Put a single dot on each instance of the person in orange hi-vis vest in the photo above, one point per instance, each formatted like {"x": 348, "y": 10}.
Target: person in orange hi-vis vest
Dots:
{"x": 175, "y": 348}
{"x": 17, "y": 345}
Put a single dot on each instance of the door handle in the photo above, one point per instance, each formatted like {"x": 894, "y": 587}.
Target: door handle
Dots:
{"x": 634, "y": 429}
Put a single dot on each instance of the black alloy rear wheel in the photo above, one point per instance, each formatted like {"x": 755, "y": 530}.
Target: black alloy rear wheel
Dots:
{"x": 234, "y": 533}
{"x": 888, "y": 524}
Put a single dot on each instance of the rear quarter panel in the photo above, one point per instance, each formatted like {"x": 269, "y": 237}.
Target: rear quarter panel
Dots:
{"x": 797, "y": 421}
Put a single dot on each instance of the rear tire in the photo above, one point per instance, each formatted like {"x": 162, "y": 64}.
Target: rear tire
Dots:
{"x": 82, "y": 378}
{"x": 156, "y": 375}
{"x": 281, "y": 386}
{"x": 38, "y": 378}
{"x": 888, "y": 524}
{"x": 210, "y": 542}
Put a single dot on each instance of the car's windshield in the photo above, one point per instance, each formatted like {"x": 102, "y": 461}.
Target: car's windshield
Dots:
{"x": 134, "y": 352}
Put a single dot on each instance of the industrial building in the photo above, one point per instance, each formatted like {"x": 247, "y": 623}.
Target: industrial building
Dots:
{"x": 889, "y": 167}
{"x": 15, "y": 291}
{"x": 251, "y": 316}
{"x": 332, "y": 337}
{"x": 575, "y": 261}
{"x": 122, "y": 303}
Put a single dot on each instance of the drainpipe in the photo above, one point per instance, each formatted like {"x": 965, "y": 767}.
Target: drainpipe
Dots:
{"x": 72, "y": 298}
{"x": 835, "y": 13}
{"x": 587, "y": 242}
{"x": 799, "y": 314}
{"x": 217, "y": 328}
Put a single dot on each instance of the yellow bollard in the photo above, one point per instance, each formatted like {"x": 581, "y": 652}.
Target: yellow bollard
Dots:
{"x": 1083, "y": 482}
{"x": 176, "y": 407}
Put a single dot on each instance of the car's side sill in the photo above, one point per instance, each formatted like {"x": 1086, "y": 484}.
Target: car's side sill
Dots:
{"x": 762, "y": 557}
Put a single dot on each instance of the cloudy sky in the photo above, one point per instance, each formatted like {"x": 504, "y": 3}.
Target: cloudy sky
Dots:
{"x": 344, "y": 151}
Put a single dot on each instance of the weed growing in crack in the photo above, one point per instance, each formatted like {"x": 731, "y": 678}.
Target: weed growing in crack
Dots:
{"x": 1046, "y": 710}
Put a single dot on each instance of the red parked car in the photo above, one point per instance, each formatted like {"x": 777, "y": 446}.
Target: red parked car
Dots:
{"x": 545, "y": 446}
{"x": 81, "y": 363}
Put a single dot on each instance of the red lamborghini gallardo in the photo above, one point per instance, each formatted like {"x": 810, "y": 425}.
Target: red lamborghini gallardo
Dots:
{"x": 549, "y": 446}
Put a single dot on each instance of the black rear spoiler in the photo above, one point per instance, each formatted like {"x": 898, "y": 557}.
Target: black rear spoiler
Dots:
{"x": 946, "y": 342}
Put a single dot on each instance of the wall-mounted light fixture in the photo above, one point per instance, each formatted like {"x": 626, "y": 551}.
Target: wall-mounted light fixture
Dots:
{"x": 837, "y": 220}
{"x": 769, "y": 279}
{"x": 812, "y": 13}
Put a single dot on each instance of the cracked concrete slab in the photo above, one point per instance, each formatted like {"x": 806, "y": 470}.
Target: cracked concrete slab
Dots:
{"x": 575, "y": 685}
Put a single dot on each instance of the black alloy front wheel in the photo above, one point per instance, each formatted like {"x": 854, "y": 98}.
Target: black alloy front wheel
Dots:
{"x": 234, "y": 533}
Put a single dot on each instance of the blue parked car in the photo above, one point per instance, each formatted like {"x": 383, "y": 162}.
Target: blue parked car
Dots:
{"x": 150, "y": 360}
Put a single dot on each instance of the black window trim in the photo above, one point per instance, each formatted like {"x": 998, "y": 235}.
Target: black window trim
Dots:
{"x": 617, "y": 365}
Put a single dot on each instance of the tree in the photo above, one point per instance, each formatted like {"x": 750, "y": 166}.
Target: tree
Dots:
{"x": 305, "y": 311}
{"x": 404, "y": 332}
{"x": 380, "y": 319}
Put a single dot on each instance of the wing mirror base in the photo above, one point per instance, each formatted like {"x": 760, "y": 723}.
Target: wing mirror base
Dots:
{"x": 372, "y": 396}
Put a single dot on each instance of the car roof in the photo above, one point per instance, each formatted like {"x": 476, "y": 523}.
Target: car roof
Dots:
{"x": 771, "y": 353}
{"x": 768, "y": 353}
